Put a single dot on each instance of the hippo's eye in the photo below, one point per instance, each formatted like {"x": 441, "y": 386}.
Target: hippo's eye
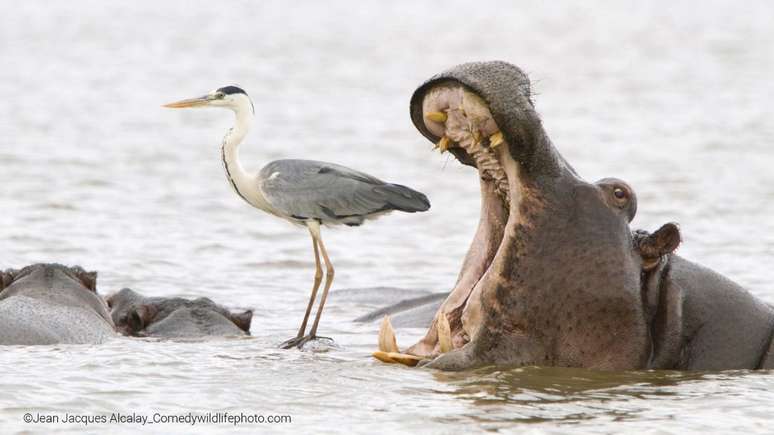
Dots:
{"x": 619, "y": 193}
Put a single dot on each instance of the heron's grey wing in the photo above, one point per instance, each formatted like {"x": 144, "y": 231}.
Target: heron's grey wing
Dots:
{"x": 306, "y": 189}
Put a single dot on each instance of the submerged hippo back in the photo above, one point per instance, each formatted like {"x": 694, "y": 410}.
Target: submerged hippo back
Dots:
{"x": 30, "y": 321}
{"x": 193, "y": 322}
{"x": 51, "y": 304}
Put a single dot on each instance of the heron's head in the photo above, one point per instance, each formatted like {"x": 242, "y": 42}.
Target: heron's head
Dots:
{"x": 229, "y": 97}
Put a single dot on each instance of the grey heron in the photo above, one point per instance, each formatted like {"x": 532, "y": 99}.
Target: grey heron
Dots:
{"x": 304, "y": 192}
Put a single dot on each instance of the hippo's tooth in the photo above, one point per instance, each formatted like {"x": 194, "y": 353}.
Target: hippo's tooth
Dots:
{"x": 388, "y": 347}
{"x": 383, "y": 356}
{"x": 496, "y": 139}
{"x": 443, "y": 144}
{"x": 396, "y": 357}
{"x": 437, "y": 116}
{"x": 444, "y": 333}
{"x": 387, "y": 341}
{"x": 404, "y": 358}
{"x": 476, "y": 135}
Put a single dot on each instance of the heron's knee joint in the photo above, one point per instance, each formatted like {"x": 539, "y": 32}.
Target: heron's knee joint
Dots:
{"x": 318, "y": 275}
{"x": 330, "y": 272}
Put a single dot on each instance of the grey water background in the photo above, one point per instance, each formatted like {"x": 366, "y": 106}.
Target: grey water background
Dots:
{"x": 673, "y": 98}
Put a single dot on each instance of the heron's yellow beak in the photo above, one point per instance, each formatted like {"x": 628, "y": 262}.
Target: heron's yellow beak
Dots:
{"x": 191, "y": 102}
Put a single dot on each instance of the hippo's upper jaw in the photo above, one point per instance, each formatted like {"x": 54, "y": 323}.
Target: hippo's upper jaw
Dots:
{"x": 552, "y": 276}
{"x": 459, "y": 120}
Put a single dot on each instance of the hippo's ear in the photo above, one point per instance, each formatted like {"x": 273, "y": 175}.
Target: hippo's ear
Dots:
{"x": 7, "y": 277}
{"x": 110, "y": 300}
{"x": 140, "y": 317}
{"x": 89, "y": 279}
{"x": 243, "y": 320}
{"x": 653, "y": 246}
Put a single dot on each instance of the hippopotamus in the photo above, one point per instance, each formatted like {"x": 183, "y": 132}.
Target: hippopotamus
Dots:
{"x": 413, "y": 312}
{"x": 140, "y": 316}
{"x": 52, "y": 304}
{"x": 555, "y": 276}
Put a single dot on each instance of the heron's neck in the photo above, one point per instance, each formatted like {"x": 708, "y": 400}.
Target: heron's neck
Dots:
{"x": 244, "y": 183}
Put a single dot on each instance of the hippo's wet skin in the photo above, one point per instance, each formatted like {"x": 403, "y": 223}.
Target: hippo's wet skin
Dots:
{"x": 415, "y": 312}
{"x": 555, "y": 276}
{"x": 52, "y": 304}
{"x": 137, "y": 315}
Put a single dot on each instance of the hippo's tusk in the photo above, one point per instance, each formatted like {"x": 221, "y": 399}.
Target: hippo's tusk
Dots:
{"x": 444, "y": 333}
{"x": 437, "y": 116}
{"x": 388, "y": 347}
{"x": 443, "y": 144}
{"x": 387, "y": 341}
{"x": 395, "y": 357}
{"x": 383, "y": 356}
{"x": 405, "y": 359}
{"x": 496, "y": 139}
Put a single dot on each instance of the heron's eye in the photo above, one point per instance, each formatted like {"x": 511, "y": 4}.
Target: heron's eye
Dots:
{"x": 619, "y": 193}
{"x": 220, "y": 95}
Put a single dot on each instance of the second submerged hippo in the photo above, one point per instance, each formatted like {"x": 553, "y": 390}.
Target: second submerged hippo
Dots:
{"x": 137, "y": 315}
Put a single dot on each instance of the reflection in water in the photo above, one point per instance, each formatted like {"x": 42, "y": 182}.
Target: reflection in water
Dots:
{"x": 567, "y": 395}
{"x": 512, "y": 383}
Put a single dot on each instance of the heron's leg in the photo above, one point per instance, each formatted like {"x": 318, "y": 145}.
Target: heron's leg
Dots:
{"x": 317, "y": 279}
{"x": 329, "y": 272}
{"x": 300, "y": 339}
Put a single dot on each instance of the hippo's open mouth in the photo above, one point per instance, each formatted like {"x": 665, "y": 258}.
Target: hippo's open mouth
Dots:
{"x": 464, "y": 126}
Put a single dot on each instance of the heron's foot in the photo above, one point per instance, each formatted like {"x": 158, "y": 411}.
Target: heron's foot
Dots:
{"x": 294, "y": 342}
{"x": 314, "y": 343}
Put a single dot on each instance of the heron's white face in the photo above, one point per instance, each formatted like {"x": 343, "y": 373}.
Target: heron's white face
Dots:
{"x": 229, "y": 97}
{"x": 218, "y": 98}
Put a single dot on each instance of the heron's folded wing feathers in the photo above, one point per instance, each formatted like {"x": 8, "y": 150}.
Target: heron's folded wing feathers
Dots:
{"x": 311, "y": 189}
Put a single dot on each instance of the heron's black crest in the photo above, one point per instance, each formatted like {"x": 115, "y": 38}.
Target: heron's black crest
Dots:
{"x": 228, "y": 90}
